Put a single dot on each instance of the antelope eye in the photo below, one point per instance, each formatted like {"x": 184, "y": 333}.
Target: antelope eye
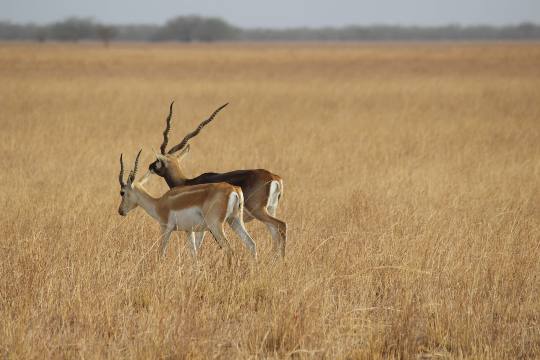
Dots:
{"x": 122, "y": 193}
{"x": 158, "y": 165}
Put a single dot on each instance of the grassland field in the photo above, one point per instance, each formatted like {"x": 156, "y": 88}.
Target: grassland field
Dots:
{"x": 412, "y": 196}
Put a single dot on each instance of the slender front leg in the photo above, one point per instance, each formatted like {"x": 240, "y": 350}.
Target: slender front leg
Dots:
{"x": 199, "y": 237}
{"x": 192, "y": 243}
{"x": 166, "y": 232}
{"x": 195, "y": 240}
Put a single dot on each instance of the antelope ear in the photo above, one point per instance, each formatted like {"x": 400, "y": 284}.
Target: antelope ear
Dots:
{"x": 145, "y": 177}
{"x": 159, "y": 156}
{"x": 183, "y": 152}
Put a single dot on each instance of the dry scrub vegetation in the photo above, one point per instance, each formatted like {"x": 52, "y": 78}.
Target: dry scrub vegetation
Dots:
{"x": 411, "y": 193}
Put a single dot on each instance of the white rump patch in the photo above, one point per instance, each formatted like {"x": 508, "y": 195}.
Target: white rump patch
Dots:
{"x": 273, "y": 197}
{"x": 232, "y": 204}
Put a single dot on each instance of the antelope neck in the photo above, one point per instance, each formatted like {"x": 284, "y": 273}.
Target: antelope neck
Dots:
{"x": 146, "y": 201}
{"x": 175, "y": 177}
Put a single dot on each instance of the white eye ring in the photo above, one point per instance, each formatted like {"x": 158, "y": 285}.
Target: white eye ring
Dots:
{"x": 158, "y": 165}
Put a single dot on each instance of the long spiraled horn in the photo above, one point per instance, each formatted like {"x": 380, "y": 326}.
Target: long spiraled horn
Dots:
{"x": 184, "y": 141}
{"x": 121, "y": 176}
{"x": 133, "y": 172}
{"x": 163, "y": 146}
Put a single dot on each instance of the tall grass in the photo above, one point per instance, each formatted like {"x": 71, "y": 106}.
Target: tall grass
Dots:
{"x": 411, "y": 193}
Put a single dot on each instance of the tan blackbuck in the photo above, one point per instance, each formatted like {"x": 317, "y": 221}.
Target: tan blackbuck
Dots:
{"x": 262, "y": 189}
{"x": 198, "y": 208}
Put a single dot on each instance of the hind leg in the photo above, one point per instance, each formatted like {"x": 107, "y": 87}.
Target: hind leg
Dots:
{"x": 220, "y": 237}
{"x": 277, "y": 228}
{"x": 237, "y": 225}
{"x": 198, "y": 240}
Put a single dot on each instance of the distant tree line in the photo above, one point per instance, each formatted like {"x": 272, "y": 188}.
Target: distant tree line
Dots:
{"x": 208, "y": 29}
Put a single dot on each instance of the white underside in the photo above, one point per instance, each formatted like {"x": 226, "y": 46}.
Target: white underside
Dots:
{"x": 190, "y": 219}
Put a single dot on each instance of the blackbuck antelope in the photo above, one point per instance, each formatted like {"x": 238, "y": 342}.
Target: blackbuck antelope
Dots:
{"x": 262, "y": 189}
{"x": 204, "y": 207}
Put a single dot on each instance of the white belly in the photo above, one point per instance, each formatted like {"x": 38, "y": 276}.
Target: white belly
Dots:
{"x": 190, "y": 219}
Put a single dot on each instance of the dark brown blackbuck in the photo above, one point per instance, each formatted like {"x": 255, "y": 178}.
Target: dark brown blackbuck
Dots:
{"x": 262, "y": 189}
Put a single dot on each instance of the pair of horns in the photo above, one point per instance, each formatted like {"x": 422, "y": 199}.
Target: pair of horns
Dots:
{"x": 163, "y": 146}
{"x": 192, "y": 134}
{"x": 132, "y": 173}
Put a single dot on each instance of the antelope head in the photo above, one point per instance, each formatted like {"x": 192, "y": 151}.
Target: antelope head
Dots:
{"x": 129, "y": 197}
{"x": 168, "y": 163}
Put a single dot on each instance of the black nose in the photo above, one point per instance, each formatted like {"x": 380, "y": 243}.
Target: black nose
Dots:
{"x": 121, "y": 212}
{"x": 152, "y": 167}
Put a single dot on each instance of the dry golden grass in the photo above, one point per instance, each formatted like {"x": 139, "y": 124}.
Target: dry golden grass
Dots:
{"x": 411, "y": 193}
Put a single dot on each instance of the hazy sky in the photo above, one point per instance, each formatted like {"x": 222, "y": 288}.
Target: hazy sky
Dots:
{"x": 280, "y": 13}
